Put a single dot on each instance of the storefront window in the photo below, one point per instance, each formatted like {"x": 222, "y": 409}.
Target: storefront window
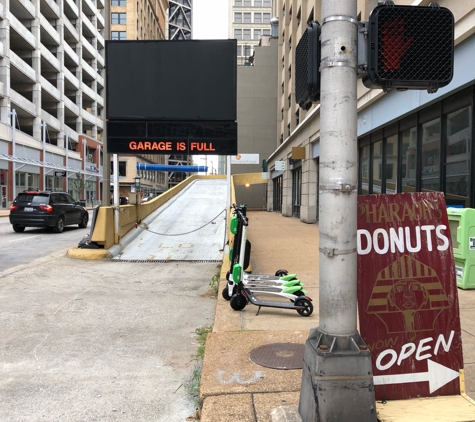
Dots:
{"x": 391, "y": 164}
{"x": 377, "y": 166}
{"x": 33, "y": 181}
{"x": 431, "y": 156}
{"x": 296, "y": 191}
{"x": 409, "y": 160}
{"x": 364, "y": 170}
{"x": 458, "y": 157}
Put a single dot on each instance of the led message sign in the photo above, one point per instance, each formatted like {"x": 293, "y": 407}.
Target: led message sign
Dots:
{"x": 191, "y": 138}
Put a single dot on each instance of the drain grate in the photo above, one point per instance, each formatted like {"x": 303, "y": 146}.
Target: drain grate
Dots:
{"x": 279, "y": 355}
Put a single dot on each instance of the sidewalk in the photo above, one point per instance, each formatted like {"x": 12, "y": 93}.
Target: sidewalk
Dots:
{"x": 234, "y": 388}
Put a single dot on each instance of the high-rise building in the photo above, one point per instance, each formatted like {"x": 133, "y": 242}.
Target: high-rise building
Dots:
{"x": 408, "y": 141}
{"x": 179, "y": 20}
{"x": 51, "y": 97}
{"x": 249, "y": 21}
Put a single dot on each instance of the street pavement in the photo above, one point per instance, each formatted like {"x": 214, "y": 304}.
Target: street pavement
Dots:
{"x": 234, "y": 388}
{"x": 101, "y": 340}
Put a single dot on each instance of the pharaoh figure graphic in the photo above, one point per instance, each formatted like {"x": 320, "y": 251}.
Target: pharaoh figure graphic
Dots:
{"x": 407, "y": 297}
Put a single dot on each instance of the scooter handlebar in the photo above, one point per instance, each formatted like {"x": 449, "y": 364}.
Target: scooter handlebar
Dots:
{"x": 242, "y": 217}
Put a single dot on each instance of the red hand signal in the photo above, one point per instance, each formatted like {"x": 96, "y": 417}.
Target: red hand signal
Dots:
{"x": 393, "y": 45}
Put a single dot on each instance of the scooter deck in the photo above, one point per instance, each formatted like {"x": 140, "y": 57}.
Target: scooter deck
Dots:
{"x": 262, "y": 277}
{"x": 272, "y": 303}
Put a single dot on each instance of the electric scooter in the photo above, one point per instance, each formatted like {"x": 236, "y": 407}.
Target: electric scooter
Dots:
{"x": 281, "y": 283}
{"x": 244, "y": 293}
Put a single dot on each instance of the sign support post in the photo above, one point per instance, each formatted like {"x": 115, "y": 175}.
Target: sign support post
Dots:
{"x": 337, "y": 380}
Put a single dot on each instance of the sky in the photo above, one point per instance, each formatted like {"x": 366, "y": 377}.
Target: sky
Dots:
{"x": 210, "y": 19}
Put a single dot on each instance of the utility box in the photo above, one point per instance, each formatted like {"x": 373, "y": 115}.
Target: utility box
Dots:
{"x": 462, "y": 230}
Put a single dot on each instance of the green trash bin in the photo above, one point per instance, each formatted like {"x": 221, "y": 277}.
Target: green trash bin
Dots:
{"x": 462, "y": 231}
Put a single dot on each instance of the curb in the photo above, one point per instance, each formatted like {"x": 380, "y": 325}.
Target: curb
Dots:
{"x": 89, "y": 254}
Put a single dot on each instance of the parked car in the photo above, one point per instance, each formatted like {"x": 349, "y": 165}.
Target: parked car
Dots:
{"x": 123, "y": 200}
{"x": 46, "y": 209}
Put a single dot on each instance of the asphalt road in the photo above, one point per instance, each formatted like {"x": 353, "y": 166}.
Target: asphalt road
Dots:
{"x": 98, "y": 340}
{"x": 22, "y": 248}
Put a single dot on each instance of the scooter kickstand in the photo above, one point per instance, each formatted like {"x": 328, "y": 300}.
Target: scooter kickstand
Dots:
{"x": 258, "y": 310}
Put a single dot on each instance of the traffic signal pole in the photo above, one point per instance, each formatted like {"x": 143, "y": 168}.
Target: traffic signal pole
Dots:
{"x": 337, "y": 381}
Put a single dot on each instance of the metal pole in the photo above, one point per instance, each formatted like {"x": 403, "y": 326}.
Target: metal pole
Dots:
{"x": 67, "y": 161}
{"x": 228, "y": 182}
{"x": 337, "y": 383}
{"x": 98, "y": 192}
{"x": 84, "y": 142}
{"x": 43, "y": 127}
{"x": 106, "y": 159}
{"x": 115, "y": 159}
{"x": 13, "y": 114}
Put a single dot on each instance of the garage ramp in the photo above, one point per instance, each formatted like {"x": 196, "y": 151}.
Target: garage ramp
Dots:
{"x": 189, "y": 227}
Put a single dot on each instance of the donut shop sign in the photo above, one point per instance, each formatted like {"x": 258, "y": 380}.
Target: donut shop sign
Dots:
{"x": 407, "y": 295}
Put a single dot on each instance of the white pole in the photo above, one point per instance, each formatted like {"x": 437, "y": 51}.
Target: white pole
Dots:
{"x": 84, "y": 142}
{"x": 43, "y": 125}
{"x": 67, "y": 161}
{"x": 98, "y": 183}
{"x": 13, "y": 114}
{"x": 228, "y": 182}
{"x": 115, "y": 160}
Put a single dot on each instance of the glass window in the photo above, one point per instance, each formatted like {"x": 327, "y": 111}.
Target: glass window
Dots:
{"x": 247, "y": 18}
{"x": 364, "y": 157}
{"x": 237, "y": 2}
{"x": 247, "y": 2}
{"x": 409, "y": 160}
{"x": 391, "y": 164}
{"x": 257, "y": 3}
{"x": 238, "y": 34}
{"x": 247, "y": 34}
{"x": 257, "y": 17}
{"x": 118, "y": 19}
{"x": 457, "y": 164}
{"x": 238, "y": 17}
{"x": 247, "y": 50}
{"x": 266, "y": 17}
{"x": 118, "y": 2}
{"x": 266, "y": 32}
{"x": 239, "y": 50}
{"x": 257, "y": 34}
{"x": 431, "y": 155}
{"x": 377, "y": 166}
{"x": 118, "y": 35}
{"x": 266, "y": 3}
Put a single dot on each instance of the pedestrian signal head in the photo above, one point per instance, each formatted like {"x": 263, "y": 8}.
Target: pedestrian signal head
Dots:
{"x": 307, "y": 67}
{"x": 410, "y": 47}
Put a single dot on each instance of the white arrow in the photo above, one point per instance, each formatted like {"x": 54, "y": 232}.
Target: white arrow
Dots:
{"x": 437, "y": 375}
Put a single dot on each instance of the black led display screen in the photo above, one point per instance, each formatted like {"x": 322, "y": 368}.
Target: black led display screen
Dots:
{"x": 186, "y": 80}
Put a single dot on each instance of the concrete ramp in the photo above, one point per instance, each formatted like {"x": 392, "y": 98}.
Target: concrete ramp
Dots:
{"x": 189, "y": 227}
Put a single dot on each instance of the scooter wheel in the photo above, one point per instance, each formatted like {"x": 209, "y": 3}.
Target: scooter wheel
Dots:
{"x": 238, "y": 302}
{"x": 308, "y": 310}
{"x": 280, "y": 273}
{"x": 225, "y": 293}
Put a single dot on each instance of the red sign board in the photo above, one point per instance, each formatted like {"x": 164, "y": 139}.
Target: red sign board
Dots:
{"x": 407, "y": 295}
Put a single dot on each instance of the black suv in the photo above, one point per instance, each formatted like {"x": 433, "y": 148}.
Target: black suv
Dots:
{"x": 46, "y": 209}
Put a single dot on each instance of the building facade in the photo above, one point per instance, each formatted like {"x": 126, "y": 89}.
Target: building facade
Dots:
{"x": 256, "y": 116}
{"x": 249, "y": 20}
{"x": 180, "y": 25}
{"x": 408, "y": 141}
{"x": 51, "y": 97}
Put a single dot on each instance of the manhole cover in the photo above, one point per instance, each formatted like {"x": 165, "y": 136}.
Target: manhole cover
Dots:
{"x": 279, "y": 355}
